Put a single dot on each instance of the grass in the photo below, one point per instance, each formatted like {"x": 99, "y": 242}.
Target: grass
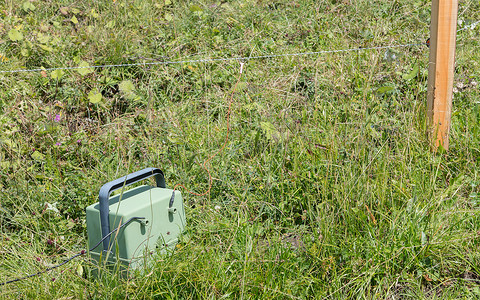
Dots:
{"x": 327, "y": 187}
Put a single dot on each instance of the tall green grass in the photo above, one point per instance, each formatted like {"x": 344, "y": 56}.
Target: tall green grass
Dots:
{"x": 327, "y": 187}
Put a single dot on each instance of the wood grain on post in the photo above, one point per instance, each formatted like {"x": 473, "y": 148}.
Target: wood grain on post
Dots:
{"x": 443, "y": 32}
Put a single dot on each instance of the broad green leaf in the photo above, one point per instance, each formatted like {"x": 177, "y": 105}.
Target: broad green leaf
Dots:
{"x": 24, "y": 52}
{"x": 385, "y": 89}
{"x": 94, "y": 96}
{"x": 168, "y": 2}
{"x": 85, "y": 68}
{"x": 126, "y": 86}
{"x": 38, "y": 156}
{"x": 15, "y": 35}
{"x": 168, "y": 17}
{"x": 57, "y": 74}
{"x": 28, "y": 6}
{"x": 79, "y": 267}
{"x": 75, "y": 10}
{"x": 412, "y": 74}
{"x": 195, "y": 8}
{"x": 43, "y": 38}
{"x": 74, "y": 20}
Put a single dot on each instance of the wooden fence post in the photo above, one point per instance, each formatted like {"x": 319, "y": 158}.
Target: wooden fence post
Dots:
{"x": 443, "y": 32}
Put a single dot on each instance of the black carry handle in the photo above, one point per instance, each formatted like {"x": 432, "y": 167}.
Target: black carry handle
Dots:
{"x": 111, "y": 186}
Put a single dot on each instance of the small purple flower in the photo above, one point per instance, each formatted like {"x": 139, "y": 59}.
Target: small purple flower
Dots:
{"x": 79, "y": 142}
{"x": 57, "y": 118}
{"x": 58, "y": 144}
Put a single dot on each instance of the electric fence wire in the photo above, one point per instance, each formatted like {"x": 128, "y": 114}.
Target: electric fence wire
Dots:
{"x": 72, "y": 257}
{"x": 210, "y": 60}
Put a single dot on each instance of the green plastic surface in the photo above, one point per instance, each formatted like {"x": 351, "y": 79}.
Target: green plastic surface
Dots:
{"x": 159, "y": 230}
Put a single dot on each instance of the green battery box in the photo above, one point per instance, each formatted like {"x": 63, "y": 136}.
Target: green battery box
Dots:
{"x": 128, "y": 229}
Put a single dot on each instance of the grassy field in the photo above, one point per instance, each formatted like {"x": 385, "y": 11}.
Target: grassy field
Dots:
{"x": 326, "y": 188}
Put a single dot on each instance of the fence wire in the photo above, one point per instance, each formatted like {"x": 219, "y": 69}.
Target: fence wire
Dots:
{"x": 210, "y": 60}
